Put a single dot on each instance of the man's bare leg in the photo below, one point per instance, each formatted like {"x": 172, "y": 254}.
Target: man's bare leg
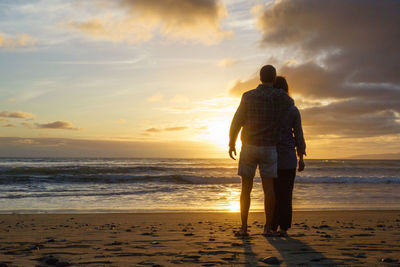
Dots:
{"x": 269, "y": 203}
{"x": 247, "y": 186}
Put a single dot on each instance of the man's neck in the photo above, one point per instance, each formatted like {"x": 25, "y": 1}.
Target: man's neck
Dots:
{"x": 268, "y": 84}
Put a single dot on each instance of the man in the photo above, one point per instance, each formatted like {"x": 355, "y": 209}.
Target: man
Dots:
{"x": 259, "y": 115}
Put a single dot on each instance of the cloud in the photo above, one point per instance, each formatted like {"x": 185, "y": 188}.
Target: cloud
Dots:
{"x": 25, "y": 141}
{"x": 350, "y": 118}
{"x": 195, "y": 20}
{"x": 153, "y": 130}
{"x": 9, "y": 125}
{"x": 227, "y": 62}
{"x": 330, "y": 27}
{"x": 168, "y": 129}
{"x": 27, "y": 124}
{"x": 242, "y": 86}
{"x": 109, "y": 29}
{"x": 16, "y": 114}
{"x": 172, "y": 129}
{"x": 121, "y": 121}
{"x": 347, "y": 64}
{"x": 179, "y": 99}
{"x": 65, "y": 125}
{"x": 19, "y": 41}
{"x": 155, "y": 98}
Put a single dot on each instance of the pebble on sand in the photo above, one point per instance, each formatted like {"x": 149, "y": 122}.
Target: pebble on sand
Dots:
{"x": 271, "y": 260}
{"x": 388, "y": 260}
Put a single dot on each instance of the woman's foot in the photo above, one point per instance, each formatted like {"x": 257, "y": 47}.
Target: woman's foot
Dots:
{"x": 283, "y": 233}
{"x": 241, "y": 233}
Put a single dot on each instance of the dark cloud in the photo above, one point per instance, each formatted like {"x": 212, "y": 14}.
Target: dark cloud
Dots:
{"x": 361, "y": 35}
{"x": 16, "y": 114}
{"x": 352, "y": 121}
{"x": 313, "y": 81}
{"x": 153, "y": 130}
{"x": 353, "y": 61}
{"x": 168, "y": 129}
{"x": 65, "y": 125}
{"x": 185, "y": 19}
{"x": 176, "y": 13}
{"x": 9, "y": 125}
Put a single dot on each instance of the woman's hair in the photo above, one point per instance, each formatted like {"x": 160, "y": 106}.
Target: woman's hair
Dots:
{"x": 281, "y": 83}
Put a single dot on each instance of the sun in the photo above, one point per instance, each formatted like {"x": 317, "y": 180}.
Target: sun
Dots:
{"x": 234, "y": 206}
{"x": 218, "y": 132}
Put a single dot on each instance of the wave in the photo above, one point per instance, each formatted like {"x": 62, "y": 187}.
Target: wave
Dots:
{"x": 348, "y": 180}
{"x": 102, "y": 178}
{"x": 76, "y": 170}
{"x": 52, "y": 193}
{"x": 178, "y": 179}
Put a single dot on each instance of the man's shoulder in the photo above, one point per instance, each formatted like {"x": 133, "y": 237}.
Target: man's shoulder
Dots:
{"x": 249, "y": 93}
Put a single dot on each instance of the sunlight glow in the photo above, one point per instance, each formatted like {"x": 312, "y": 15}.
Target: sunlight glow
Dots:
{"x": 218, "y": 132}
{"x": 234, "y": 204}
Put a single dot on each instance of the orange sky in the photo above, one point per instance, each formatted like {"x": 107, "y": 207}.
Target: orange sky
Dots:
{"x": 163, "y": 78}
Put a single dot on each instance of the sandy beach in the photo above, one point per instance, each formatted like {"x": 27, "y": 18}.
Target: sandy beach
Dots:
{"x": 317, "y": 238}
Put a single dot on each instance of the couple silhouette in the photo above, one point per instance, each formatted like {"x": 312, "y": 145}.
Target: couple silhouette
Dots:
{"x": 271, "y": 137}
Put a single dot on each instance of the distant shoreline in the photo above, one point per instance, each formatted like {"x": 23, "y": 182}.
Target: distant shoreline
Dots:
{"x": 83, "y": 212}
{"x": 360, "y": 157}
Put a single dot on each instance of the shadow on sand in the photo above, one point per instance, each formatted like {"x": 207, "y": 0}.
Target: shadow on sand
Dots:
{"x": 295, "y": 252}
{"x": 249, "y": 255}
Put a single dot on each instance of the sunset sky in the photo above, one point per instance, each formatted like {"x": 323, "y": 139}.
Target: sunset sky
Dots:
{"x": 163, "y": 78}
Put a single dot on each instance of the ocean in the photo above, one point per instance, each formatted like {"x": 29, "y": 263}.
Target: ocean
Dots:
{"x": 59, "y": 185}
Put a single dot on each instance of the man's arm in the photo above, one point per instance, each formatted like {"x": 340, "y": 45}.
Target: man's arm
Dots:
{"x": 236, "y": 125}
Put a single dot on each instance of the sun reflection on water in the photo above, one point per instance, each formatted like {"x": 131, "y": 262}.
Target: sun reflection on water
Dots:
{"x": 233, "y": 198}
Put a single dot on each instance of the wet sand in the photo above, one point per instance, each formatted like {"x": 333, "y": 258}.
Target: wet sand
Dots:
{"x": 317, "y": 238}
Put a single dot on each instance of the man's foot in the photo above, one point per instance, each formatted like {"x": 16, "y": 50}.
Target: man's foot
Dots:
{"x": 268, "y": 232}
{"x": 241, "y": 233}
{"x": 283, "y": 233}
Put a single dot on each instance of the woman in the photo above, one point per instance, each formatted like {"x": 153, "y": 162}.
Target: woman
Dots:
{"x": 291, "y": 139}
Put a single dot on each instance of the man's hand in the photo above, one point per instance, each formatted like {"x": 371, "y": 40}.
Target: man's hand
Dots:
{"x": 232, "y": 150}
{"x": 301, "y": 165}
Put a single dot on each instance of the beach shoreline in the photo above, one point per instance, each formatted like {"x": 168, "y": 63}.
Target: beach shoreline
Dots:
{"x": 173, "y": 211}
{"x": 317, "y": 238}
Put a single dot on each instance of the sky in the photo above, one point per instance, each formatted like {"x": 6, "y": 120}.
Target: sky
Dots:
{"x": 163, "y": 78}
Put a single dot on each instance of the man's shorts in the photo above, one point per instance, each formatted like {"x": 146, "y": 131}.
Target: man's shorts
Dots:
{"x": 265, "y": 157}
